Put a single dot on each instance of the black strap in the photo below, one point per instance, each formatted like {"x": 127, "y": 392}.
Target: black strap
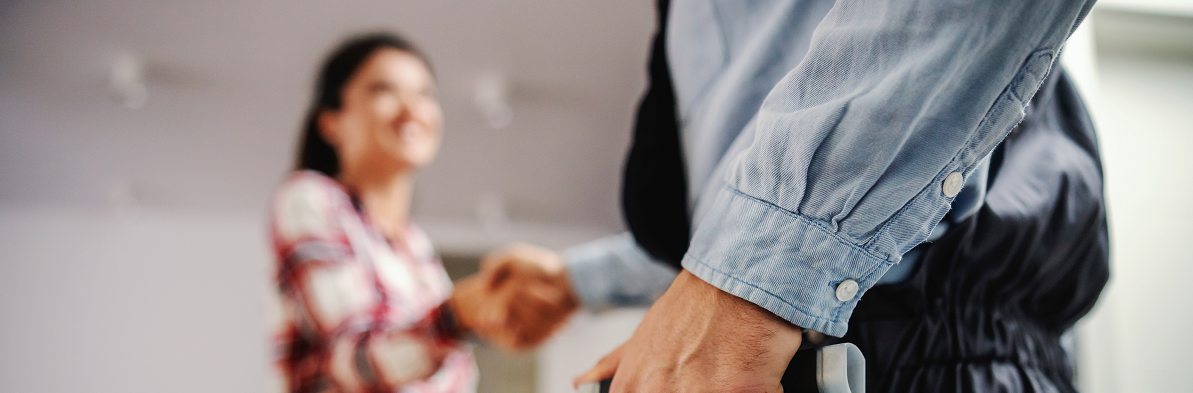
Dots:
{"x": 654, "y": 187}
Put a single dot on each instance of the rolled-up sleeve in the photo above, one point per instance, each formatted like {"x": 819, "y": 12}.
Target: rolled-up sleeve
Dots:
{"x": 859, "y": 151}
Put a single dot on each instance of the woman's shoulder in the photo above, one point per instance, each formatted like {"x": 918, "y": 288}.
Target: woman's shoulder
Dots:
{"x": 308, "y": 202}
{"x": 307, "y": 186}
{"x": 306, "y": 180}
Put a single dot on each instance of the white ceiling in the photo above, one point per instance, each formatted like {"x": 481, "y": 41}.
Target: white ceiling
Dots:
{"x": 229, "y": 81}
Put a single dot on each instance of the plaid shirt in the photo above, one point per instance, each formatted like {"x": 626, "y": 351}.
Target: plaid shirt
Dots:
{"x": 360, "y": 313}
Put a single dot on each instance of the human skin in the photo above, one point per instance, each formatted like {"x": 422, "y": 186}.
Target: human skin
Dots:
{"x": 389, "y": 126}
{"x": 698, "y": 338}
{"x": 536, "y": 297}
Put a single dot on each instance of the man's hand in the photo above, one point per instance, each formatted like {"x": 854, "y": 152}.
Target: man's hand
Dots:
{"x": 525, "y": 293}
{"x": 534, "y": 289}
{"x": 697, "y": 338}
{"x": 478, "y": 311}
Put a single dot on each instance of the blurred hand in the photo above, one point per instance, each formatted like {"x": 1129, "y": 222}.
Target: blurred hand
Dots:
{"x": 520, "y": 297}
{"x": 698, "y": 338}
{"x": 470, "y": 301}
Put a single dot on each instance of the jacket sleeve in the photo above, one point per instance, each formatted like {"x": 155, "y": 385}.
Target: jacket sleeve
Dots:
{"x": 859, "y": 150}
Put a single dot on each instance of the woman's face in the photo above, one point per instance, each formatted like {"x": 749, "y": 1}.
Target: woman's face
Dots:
{"x": 390, "y": 118}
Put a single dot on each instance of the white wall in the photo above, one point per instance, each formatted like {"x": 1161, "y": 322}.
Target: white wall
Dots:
{"x": 155, "y": 301}
{"x": 229, "y": 82}
{"x": 1137, "y": 338}
{"x": 1148, "y": 143}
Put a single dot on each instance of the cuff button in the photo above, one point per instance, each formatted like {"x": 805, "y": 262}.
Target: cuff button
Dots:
{"x": 952, "y": 184}
{"x": 846, "y": 290}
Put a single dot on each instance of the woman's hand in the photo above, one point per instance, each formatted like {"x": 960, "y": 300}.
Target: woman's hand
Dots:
{"x": 521, "y": 296}
{"x": 534, "y": 288}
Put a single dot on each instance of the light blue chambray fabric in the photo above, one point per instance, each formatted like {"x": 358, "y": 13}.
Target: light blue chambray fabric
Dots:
{"x": 615, "y": 272}
{"x": 843, "y": 169}
{"x": 865, "y": 107}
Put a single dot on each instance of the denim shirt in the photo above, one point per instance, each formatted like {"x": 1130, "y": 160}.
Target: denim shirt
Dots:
{"x": 824, "y": 140}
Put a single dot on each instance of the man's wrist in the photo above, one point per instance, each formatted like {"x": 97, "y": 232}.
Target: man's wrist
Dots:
{"x": 698, "y": 337}
{"x": 753, "y": 325}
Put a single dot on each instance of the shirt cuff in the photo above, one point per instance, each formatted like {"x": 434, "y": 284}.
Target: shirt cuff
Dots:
{"x": 781, "y": 261}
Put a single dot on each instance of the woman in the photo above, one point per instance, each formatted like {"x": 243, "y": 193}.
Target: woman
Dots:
{"x": 367, "y": 306}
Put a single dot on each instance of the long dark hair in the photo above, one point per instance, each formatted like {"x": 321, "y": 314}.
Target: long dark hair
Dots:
{"x": 315, "y": 153}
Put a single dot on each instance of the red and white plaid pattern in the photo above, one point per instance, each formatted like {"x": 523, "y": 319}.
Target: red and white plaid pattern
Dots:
{"x": 360, "y": 313}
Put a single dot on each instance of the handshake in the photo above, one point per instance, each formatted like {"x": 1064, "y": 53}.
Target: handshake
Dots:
{"x": 518, "y": 299}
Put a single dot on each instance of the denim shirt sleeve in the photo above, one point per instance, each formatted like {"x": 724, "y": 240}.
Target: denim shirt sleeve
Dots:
{"x": 851, "y": 148}
{"x": 615, "y": 272}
